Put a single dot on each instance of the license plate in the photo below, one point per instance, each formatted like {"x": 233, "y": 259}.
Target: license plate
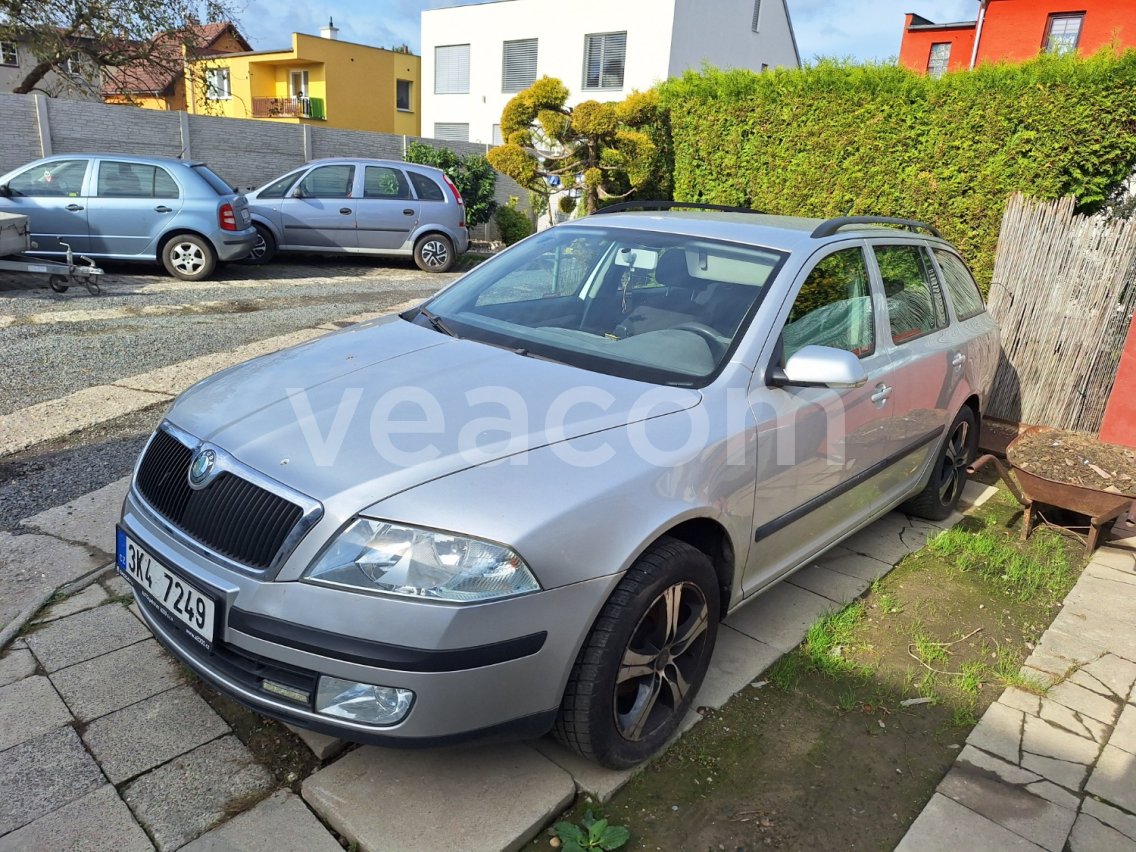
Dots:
{"x": 171, "y": 593}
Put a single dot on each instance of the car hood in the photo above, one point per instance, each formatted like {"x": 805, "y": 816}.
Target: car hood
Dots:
{"x": 315, "y": 417}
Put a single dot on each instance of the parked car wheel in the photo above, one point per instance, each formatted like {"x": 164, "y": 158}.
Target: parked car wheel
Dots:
{"x": 189, "y": 257}
{"x": 264, "y": 249}
{"x": 944, "y": 488}
{"x": 434, "y": 253}
{"x": 643, "y": 662}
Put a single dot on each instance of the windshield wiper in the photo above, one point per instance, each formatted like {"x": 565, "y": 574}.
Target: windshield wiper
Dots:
{"x": 438, "y": 323}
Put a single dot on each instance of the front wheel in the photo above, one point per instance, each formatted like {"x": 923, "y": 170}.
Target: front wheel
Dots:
{"x": 264, "y": 249}
{"x": 637, "y": 674}
{"x": 189, "y": 257}
{"x": 434, "y": 253}
{"x": 948, "y": 477}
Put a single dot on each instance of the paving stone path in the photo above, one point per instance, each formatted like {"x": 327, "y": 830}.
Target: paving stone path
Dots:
{"x": 1054, "y": 770}
{"x": 104, "y": 746}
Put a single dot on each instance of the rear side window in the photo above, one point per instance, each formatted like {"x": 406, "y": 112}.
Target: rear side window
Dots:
{"x": 135, "y": 180}
{"x": 328, "y": 182}
{"x": 279, "y": 187}
{"x": 384, "y": 182}
{"x": 834, "y": 307}
{"x": 960, "y": 284}
{"x": 914, "y": 298}
{"x": 59, "y": 178}
{"x": 211, "y": 178}
{"x": 426, "y": 189}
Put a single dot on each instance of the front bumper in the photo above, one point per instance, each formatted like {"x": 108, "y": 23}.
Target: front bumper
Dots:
{"x": 483, "y": 671}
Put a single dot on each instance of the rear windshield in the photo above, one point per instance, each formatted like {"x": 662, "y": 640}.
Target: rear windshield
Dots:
{"x": 211, "y": 178}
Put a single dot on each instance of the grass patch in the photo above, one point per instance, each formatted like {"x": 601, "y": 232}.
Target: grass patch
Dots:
{"x": 1038, "y": 567}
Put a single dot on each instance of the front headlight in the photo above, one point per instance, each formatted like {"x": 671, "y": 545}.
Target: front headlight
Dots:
{"x": 377, "y": 556}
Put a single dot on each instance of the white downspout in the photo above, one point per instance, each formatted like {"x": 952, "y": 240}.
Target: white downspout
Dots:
{"x": 978, "y": 32}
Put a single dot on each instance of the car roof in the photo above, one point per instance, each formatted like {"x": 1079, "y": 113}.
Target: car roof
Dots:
{"x": 785, "y": 233}
{"x": 146, "y": 159}
{"x": 370, "y": 161}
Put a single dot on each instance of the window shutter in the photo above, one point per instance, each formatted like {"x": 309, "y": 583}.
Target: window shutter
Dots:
{"x": 518, "y": 65}
{"x": 451, "y": 131}
{"x": 756, "y": 15}
{"x": 498, "y": 139}
{"x": 451, "y": 69}
{"x": 604, "y": 57}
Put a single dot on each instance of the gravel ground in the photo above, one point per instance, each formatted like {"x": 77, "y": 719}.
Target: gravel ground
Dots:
{"x": 54, "y": 344}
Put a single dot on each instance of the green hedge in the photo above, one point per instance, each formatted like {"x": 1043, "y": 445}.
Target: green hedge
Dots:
{"x": 837, "y": 139}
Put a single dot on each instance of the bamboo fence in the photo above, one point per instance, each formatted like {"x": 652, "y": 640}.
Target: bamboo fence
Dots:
{"x": 1063, "y": 294}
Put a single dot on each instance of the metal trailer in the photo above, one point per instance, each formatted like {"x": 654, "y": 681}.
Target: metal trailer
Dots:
{"x": 15, "y": 242}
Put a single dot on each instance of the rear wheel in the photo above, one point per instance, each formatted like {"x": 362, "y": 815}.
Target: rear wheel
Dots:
{"x": 944, "y": 488}
{"x": 189, "y": 257}
{"x": 264, "y": 249}
{"x": 58, "y": 283}
{"x": 639, "y": 669}
{"x": 434, "y": 253}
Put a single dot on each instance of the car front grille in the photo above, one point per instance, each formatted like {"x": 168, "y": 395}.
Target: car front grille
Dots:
{"x": 231, "y": 516}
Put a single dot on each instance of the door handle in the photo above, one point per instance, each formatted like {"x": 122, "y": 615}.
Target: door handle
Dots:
{"x": 344, "y": 210}
{"x": 74, "y": 208}
{"x": 407, "y": 212}
{"x": 161, "y": 208}
{"x": 882, "y": 393}
{"x": 958, "y": 360}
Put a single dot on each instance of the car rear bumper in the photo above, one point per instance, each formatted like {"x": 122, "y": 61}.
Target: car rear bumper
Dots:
{"x": 235, "y": 245}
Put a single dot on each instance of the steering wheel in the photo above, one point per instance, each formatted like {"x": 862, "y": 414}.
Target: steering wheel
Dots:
{"x": 713, "y": 338}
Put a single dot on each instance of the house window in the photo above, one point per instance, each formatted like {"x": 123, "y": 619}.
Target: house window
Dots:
{"x": 604, "y": 56}
{"x": 451, "y": 131}
{"x": 518, "y": 65}
{"x": 217, "y": 87}
{"x": 498, "y": 139}
{"x": 756, "y": 15}
{"x": 9, "y": 55}
{"x": 451, "y": 69}
{"x": 298, "y": 84}
{"x": 402, "y": 98}
{"x": 73, "y": 66}
{"x": 1063, "y": 32}
{"x": 939, "y": 58}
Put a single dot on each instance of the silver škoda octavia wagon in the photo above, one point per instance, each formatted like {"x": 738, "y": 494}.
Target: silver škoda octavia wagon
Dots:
{"x": 528, "y": 503}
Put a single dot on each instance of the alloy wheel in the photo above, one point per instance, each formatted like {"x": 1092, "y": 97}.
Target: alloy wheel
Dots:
{"x": 187, "y": 258}
{"x": 435, "y": 253}
{"x": 662, "y": 657}
{"x": 956, "y": 457}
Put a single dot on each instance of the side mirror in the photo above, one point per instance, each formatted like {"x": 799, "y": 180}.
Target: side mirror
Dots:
{"x": 5, "y": 192}
{"x": 821, "y": 366}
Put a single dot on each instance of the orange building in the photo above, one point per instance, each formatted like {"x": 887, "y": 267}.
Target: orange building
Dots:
{"x": 1016, "y": 30}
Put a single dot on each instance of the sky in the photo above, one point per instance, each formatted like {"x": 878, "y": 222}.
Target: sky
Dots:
{"x": 861, "y": 29}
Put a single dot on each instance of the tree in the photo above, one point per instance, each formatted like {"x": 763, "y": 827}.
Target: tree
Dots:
{"x": 471, "y": 174}
{"x": 606, "y": 149}
{"x": 85, "y": 41}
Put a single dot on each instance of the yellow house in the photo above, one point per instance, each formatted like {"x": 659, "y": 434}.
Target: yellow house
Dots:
{"x": 320, "y": 80}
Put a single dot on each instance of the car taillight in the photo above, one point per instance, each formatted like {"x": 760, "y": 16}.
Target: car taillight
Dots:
{"x": 458, "y": 196}
{"x": 227, "y": 217}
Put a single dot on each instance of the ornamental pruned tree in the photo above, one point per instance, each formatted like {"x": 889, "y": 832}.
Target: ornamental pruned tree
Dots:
{"x": 87, "y": 42}
{"x": 606, "y": 150}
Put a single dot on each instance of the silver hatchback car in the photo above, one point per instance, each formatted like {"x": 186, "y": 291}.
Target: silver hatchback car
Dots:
{"x": 528, "y": 503}
{"x": 122, "y": 207}
{"x": 362, "y": 206}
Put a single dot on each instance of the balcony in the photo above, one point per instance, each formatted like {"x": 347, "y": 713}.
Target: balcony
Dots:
{"x": 288, "y": 108}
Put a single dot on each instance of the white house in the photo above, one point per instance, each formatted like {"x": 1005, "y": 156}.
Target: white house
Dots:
{"x": 476, "y": 57}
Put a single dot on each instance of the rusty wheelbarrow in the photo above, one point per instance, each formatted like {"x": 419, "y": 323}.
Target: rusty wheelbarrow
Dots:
{"x": 1030, "y": 489}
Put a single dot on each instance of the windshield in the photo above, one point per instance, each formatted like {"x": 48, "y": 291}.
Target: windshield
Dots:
{"x": 657, "y": 307}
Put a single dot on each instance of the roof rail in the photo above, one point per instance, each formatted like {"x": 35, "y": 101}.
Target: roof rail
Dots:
{"x": 669, "y": 205}
{"x": 827, "y": 229}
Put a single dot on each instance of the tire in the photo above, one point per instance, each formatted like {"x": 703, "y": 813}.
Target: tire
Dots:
{"x": 189, "y": 257}
{"x": 58, "y": 283}
{"x": 434, "y": 253}
{"x": 948, "y": 476}
{"x": 621, "y": 723}
{"x": 264, "y": 249}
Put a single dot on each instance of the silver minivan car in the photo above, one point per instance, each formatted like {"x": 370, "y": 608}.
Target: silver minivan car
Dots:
{"x": 528, "y": 503}
{"x": 121, "y": 207}
{"x": 362, "y": 206}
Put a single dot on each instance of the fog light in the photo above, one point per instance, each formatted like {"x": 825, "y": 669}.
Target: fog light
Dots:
{"x": 362, "y": 702}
